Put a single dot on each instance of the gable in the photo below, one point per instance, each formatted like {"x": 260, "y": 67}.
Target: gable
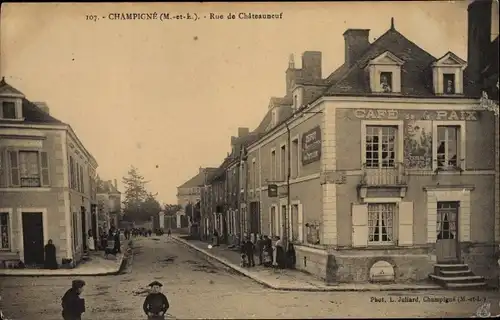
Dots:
{"x": 7, "y": 89}
{"x": 450, "y": 60}
{"x": 386, "y": 58}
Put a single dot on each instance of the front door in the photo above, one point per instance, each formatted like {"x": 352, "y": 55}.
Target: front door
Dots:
{"x": 33, "y": 238}
{"x": 447, "y": 235}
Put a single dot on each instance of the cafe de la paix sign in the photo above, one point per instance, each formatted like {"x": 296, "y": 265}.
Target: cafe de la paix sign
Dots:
{"x": 391, "y": 114}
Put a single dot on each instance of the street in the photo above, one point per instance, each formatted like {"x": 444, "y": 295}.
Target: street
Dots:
{"x": 197, "y": 289}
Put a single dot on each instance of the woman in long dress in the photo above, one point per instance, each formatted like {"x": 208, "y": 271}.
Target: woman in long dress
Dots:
{"x": 90, "y": 241}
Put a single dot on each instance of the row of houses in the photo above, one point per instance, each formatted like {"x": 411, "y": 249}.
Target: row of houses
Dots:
{"x": 389, "y": 160}
{"x": 48, "y": 185}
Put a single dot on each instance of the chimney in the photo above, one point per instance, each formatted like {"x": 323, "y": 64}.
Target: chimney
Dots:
{"x": 356, "y": 43}
{"x": 200, "y": 170}
{"x": 479, "y": 34}
{"x": 43, "y": 106}
{"x": 243, "y": 132}
{"x": 291, "y": 74}
{"x": 311, "y": 65}
{"x": 116, "y": 185}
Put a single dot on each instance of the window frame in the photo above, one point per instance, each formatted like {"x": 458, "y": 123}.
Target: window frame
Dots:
{"x": 390, "y": 82}
{"x": 9, "y": 213}
{"x": 461, "y": 144}
{"x": 41, "y": 168}
{"x": 273, "y": 162}
{"x": 393, "y": 241}
{"x": 283, "y": 162}
{"x": 17, "y": 107}
{"x": 296, "y": 164}
{"x": 399, "y": 143}
{"x": 443, "y": 79}
{"x": 2, "y": 115}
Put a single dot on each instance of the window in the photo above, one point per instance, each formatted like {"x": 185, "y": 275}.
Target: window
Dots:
{"x": 446, "y": 224}
{"x": 380, "y": 222}
{"x": 75, "y": 230}
{"x": 29, "y": 169}
{"x": 295, "y": 158}
{"x": 283, "y": 162}
{"x": 380, "y": 146}
{"x": 4, "y": 230}
{"x": 273, "y": 165}
{"x": 284, "y": 214}
{"x": 386, "y": 81}
{"x": 82, "y": 184}
{"x": 8, "y": 110}
{"x": 254, "y": 173}
{"x": 447, "y": 146}
{"x": 295, "y": 222}
{"x": 273, "y": 226}
{"x": 449, "y": 83}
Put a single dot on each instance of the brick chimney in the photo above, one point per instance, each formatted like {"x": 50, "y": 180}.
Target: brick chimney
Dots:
{"x": 479, "y": 38}
{"x": 356, "y": 43}
{"x": 43, "y": 106}
{"x": 311, "y": 65}
{"x": 242, "y": 132}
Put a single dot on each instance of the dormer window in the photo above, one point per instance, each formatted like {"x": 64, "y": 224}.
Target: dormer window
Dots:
{"x": 386, "y": 81}
{"x": 385, "y": 73}
{"x": 449, "y": 83}
{"x": 447, "y": 74}
{"x": 8, "y": 110}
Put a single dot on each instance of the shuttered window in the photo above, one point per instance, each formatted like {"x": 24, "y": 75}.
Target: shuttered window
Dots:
{"x": 359, "y": 225}
{"x": 14, "y": 169}
{"x": 405, "y": 226}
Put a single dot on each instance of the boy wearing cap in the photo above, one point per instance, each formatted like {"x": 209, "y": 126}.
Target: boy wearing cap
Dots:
{"x": 156, "y": 303}
{"x": 73, "y": 306}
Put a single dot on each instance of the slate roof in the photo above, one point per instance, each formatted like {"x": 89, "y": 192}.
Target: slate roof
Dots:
{"x": 198, "y": 180}
{"x": 31, "y": 112}
{"x": 416, "y": 72}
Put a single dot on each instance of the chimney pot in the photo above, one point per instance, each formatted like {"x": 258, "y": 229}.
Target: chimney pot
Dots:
{"x": 243, "y": 132}
{"x": 356, "y": 43}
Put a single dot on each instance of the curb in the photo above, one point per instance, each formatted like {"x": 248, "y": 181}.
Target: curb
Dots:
{"x": 121, "y": 266}
{"x": 284, "y": 288}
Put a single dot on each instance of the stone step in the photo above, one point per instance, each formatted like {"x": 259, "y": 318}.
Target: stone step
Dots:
{"x": 457, "y": 286}
{"x": 450, "y": 267}
{"x": 455, "y": 273}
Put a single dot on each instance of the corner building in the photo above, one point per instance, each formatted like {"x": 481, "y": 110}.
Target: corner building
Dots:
{"x": 392, "y": 164}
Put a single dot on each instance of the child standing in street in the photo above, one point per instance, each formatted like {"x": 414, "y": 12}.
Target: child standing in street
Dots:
{"x": 156, "y": 303}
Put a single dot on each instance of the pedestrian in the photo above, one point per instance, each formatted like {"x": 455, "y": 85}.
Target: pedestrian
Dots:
{"x": 260, "y": 249}
{"x": 249, "y": 251}
{"x": 280, "y": 254}
{"x": 72, "y": 304}
{"x": 127, "y": 234}
{"x": 50, "y": 256}
{"x": 156, "y": 303}
{"x": 291, "y": 256}
{"x": 117, "y": 247}
{"x": 90, "y": 240}
{"x": 216, "y": 238}
{"x": 268, "y": 249}
{"x": 169, "y": 233}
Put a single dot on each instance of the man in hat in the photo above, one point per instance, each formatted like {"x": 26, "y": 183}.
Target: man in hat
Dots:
{"x": 73, "y": 306}
{"x": 156, "y": 303}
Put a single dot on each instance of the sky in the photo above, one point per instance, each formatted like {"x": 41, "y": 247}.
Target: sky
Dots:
{"x": 166, "y": 96}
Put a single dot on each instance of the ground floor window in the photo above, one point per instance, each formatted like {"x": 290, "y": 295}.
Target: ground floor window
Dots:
{"x": 446, "y": 224}
{"x": 4, "y": 230}
{"x": 380, "y": 222}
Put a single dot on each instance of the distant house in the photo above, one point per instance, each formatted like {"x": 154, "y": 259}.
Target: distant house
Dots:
{"x": 109, "y": 203}
{"x": 189, "y": 193}
{"x": 47, "y": 189}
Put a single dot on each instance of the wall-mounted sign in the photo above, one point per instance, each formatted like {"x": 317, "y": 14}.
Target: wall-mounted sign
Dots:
{"x": 391, "y": 114}
{"x": 311, "y": 146}
{"x": 272, "y": 191}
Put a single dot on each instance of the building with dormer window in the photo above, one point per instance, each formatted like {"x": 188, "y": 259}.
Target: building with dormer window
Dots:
{"x": 391, "y": 163}
{"x": 47, "y": 184}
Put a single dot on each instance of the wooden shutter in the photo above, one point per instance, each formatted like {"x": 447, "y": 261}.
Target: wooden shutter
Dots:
{"x": 44, "y": 169}
{"x": 405, "y": 226}
{"x": 14, "y": 168}
{"x": 359, "y": 225}
{"x": 300, "y": 223}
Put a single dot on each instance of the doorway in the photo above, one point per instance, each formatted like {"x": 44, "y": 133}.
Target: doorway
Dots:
{"x": 447, "y": 232}
{"x": 84, "y": 228}
{"x": 33, "y": 241}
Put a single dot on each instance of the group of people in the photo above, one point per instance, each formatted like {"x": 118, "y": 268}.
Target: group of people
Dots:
{"x": 269, "y": 254}
{"x": 155, "y": 305}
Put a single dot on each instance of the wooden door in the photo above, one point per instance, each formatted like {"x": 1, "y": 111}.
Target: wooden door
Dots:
{"x": 447, "y": 232}
{"x": 33, "y": 241}
{"x": 84, "y": 227}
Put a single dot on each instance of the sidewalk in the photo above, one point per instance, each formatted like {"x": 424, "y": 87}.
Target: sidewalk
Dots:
{"x": 96, "y": 265}
{"x": 291, "y": 280}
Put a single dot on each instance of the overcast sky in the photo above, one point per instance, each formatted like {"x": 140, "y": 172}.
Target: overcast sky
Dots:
{"x": 171, "y": 93}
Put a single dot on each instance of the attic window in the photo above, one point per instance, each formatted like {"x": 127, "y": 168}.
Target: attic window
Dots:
{"x": 449, "y": 83}
{"x": 386, "y": 81}
{"x": 8, "y": 110}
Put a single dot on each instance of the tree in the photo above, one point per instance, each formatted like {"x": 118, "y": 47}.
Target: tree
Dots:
{"x": 490, "y": 104}
{"x": 99, "y": 184}
{"x": 171, "y": 209}
{"x": 135, "y": 196}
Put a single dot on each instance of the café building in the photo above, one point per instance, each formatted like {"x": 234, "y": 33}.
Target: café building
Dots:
{"x": 392, "y": 166}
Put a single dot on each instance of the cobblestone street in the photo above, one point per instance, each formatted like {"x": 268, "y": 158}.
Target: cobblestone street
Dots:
{"x": 198, "y": 289}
